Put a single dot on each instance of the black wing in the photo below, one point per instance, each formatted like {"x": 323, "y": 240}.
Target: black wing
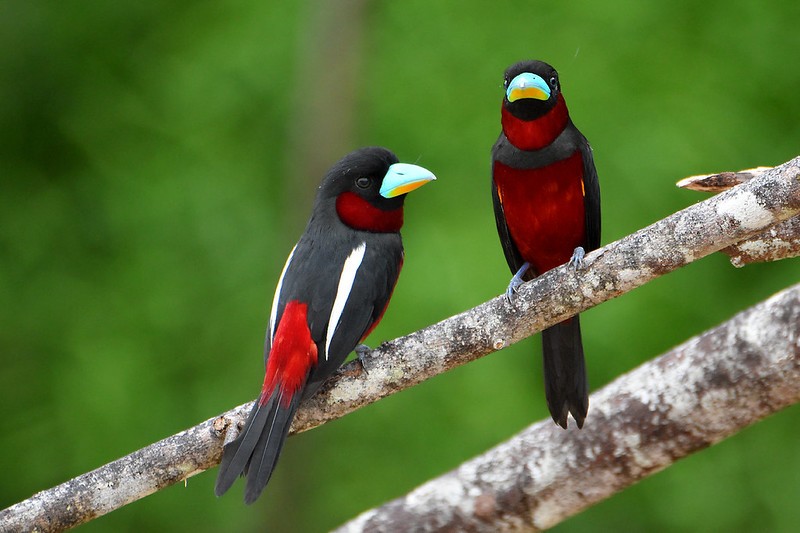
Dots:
{"x": 313, "y": 276}
{"x": 591, "y": 198}
{"x": 368, "y": 298}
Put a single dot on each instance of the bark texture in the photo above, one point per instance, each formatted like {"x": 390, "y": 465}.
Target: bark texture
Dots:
{"x": 693, "y": 396}
{"x": 709, "y": 226}
{"x": 782, "y": 241}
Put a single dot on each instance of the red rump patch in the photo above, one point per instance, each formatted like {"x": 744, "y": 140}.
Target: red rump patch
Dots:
{"x": 538, "y": 133}
{"x": 359, "y": 214}
{"x": 292, "y": 355}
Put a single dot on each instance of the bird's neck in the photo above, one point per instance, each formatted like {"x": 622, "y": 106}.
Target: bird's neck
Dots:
{"x": 361, "y": 215}
{"x": 537, "y": 133}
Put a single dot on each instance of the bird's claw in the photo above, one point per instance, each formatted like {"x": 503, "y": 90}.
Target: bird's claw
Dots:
{"x": 362, "y": 350}
{"x": 576, "y": 261}
{"x": 512, "y": 288}
{"x": 515, "y": 282}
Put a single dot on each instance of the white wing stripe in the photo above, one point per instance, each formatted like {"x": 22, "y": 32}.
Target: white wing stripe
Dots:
{"x": 346, "y": 280}
{"x": 274, "y": 312}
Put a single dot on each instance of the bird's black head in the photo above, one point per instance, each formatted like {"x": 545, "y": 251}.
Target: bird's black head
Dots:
{"x": 361, "y": 172}
{"x": 531, "y": 89}
{"x": 368, "y": 187}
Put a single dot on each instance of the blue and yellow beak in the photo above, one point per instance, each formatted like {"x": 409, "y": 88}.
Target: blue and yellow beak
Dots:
{"x": 402, "y": 178}
{"x": 527, "y": 85}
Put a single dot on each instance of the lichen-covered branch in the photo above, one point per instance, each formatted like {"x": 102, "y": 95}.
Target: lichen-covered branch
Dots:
{"x": 120, "y": 482}
{"x": 615, "y": 269}
{"x": 675, "y": 241}
{"x": 781, "y": 241}
{"x": 684, "y": 401}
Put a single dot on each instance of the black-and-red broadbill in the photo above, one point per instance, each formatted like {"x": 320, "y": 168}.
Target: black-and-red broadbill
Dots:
{"x": 547, "y": 206}
{"x": 332, "y": 292}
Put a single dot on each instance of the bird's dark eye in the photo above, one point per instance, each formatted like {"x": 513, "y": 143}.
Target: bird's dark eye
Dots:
{"x": 553, "y": 82}
{"x": 505, "y": 83}
{"x": 363, "y": 182}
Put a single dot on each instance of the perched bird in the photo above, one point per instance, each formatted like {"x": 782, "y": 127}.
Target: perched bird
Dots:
{"x": 547, "y": 207}
{"x": 333, "y": 291}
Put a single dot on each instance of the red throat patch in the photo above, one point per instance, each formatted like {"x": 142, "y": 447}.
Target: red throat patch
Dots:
{"x": 361, "y": 215}
{"x": 538, "y": 133}
{"x": 292, "y": 355}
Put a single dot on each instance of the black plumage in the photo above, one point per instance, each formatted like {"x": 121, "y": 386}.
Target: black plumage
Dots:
{"x": 334, "y": 289}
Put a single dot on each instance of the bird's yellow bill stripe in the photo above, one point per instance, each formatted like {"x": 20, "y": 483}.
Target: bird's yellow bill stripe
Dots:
{"x": 518, "y": 93}
{"x": 407, "y": 188}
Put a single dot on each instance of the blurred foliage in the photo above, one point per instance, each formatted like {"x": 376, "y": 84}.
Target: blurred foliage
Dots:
{"x": 144, "y": 219}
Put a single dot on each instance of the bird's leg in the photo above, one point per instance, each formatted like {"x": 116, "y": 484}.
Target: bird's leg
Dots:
{"x": 361, "y": 354}
{"x": 576, "y": 261}
{"x": 516, "y": 281}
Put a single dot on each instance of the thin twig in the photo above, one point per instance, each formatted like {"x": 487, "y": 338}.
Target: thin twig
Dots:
{"x": 781, "y": 241}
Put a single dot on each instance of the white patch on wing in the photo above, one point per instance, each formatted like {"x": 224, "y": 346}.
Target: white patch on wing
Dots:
{"x": 346, "y": 280}
{"x": 274, "y": 312}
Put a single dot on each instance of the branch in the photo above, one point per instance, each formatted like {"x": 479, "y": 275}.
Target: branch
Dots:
{"x": 684, "y": 401}
{"x": 620, "y": 267}
{"x": 781, "y": 241}
{"x": 615, "y": 269}
{"x": 722, "y": 181}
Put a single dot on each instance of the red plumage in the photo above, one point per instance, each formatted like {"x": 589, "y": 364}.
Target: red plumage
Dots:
{"x": 538, "y": 133}
{"x": 333, "y": 290}
{"x": 292, "y": 355}
{"x": 547, "y": 209}
{"x": 544, "y": 210}
{"x": 360, "y": 214}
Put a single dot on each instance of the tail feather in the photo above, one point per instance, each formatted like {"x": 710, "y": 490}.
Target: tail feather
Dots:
{"x": 265, "y": 455}
{"x": 254, "y": 453}
{"x": 236, "y": 454}
{"x": 566, "y": 387}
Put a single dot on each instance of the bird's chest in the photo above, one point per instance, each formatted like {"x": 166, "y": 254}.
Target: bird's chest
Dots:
{"x": 544, "y": 209}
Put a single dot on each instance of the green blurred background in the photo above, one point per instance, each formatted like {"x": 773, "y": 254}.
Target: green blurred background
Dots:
{"x": 158, "y": 161}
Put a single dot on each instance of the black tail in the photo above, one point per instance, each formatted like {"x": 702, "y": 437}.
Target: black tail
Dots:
{"x": 565, "y": 383}
{"x": 255, "y": 451}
